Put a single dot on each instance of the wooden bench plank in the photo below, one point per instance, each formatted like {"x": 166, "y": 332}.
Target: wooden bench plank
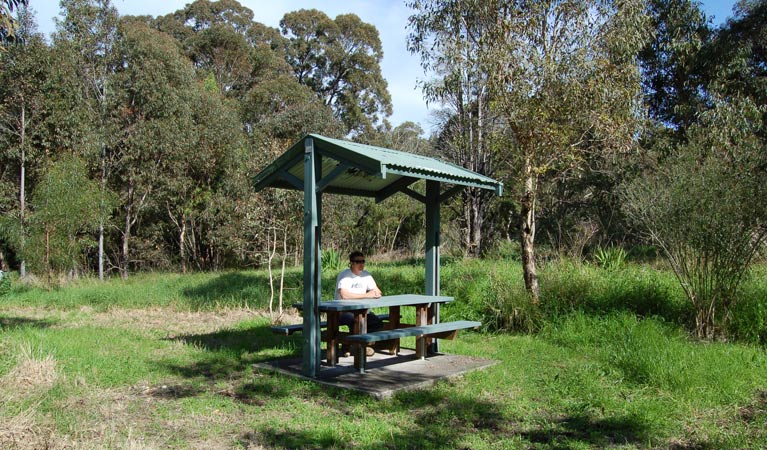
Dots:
{"x": 425, "y": 330}
{"x": 444, "y": 329}
{"x": 287, "y": 330}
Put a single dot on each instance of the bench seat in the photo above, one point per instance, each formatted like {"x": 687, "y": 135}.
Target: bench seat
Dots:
{"x": 287, "y": 330}
{"x": 444, "y": 330}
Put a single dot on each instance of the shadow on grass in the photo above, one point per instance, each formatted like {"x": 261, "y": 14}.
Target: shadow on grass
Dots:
{"x": 435, "y": 418}
{"x": 232, "y": 349}
{"x": 437, "y": 421}
{"x": 235, "y": 289}
{"x": 250, "y": 289}
{"x": 586, "y": 429}
{"x": 449, "y": 421}
{"x": 12, "y": 323}
{"x": 252, "y": 339}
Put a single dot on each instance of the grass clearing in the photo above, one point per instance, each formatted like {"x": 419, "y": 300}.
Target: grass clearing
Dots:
{"x": 160, "y": 368}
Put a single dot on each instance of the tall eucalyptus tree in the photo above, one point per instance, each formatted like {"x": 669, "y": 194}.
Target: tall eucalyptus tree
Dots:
{"x": 153, "y": 97}
{"x": 216, "y": 37}
{"x": 340, "y": 60}
{"x": 88, "y": 29}
{"x": 563, "y": 76}
{"x": 451, "y": 39}
{"x": 8, "y": 24}
{"x": 24, "y": 72}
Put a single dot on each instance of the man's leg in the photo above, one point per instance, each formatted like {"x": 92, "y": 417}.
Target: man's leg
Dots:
{"x": 348, "y": 320}
{"x": 374, "y": 322}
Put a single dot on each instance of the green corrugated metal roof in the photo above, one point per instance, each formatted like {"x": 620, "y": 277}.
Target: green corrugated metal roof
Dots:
{"x": 366, "y": 170}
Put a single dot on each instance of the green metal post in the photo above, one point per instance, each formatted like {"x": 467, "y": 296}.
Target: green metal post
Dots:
{"x": 318, "y": 262}
{"x": 432, "y": 248}
{"x": 318, "y": 229}
{"x": 311, "y": 353}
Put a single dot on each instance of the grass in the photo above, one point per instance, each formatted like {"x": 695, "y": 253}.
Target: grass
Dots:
{"x": 165, "y": 361}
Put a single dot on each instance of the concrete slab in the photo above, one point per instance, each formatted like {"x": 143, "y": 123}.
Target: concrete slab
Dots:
{"x": 385, "y": 375}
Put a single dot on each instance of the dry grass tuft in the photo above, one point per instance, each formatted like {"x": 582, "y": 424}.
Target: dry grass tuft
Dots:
{"x": 170, "y": 321}
{"x": 16, "y": 430}
{"x": 33, "y": 373}
{"x": 21, "y": 432}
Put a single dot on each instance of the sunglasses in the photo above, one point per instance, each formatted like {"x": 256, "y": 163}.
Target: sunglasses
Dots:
{"x": 358, "y": 261}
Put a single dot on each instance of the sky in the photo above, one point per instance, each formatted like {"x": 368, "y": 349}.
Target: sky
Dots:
{"x": 401, "y": 70}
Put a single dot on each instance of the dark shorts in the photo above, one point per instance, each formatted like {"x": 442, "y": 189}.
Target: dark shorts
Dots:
{"x": 374, "y": 323}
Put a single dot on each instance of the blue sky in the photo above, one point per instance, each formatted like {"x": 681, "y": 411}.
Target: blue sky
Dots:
{"x": 401, "y": 69}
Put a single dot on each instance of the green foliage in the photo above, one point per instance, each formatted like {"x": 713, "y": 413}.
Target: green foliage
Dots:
{"x": 610, "y": 258}
{"x": 8, "y": 24}
{"x": 66, "y": 209}
{"x": 332, "y": 260}
{"x": 735, "y": 59}
{"x": 5, "y": 284}
{"x": 339, "y": 59}
{"x": 748, "y": 321}
{"x": 672, "y": 79}
{"x": 698, "y": 207}
{"x": 657, "y": 355}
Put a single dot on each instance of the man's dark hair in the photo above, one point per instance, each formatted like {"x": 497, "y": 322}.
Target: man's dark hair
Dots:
{"x": 353, "y": 255}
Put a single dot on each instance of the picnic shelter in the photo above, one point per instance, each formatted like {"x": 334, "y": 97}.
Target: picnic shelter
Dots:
{"x": 318, "y": 165}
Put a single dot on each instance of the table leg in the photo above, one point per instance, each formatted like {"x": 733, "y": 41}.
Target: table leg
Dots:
{"x": 360, "y": 327}
{"x": 331, "y": 353}
{"x": 431, "y": 343}
{"x": 421, "y": 318}
{"x": 392, "y": 346}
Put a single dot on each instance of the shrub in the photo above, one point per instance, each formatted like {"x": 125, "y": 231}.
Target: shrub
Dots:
{"x": 505, "y": 250}
{"x": 5, "y": 284}
{"x": 698, "y": 207}
{"x": 496, "y": 296}
{"x": 332, "y": 260}
{"x": 610, "y": 258}
{"x": 657, "y": 354}
{"x": 749, "y": 315}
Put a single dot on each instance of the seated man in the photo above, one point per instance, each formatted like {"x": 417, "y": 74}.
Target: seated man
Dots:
{"x": 357, "y": 283}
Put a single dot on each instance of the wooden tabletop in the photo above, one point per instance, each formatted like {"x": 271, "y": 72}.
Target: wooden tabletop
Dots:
{"x": 381, "y": 302}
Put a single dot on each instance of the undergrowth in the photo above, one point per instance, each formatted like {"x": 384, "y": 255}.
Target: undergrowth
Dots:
{"x": 489, "y": 291}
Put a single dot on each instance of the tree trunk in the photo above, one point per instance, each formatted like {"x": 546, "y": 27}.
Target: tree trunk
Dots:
{"x": 101, "y": 210}
{"x": 477, "y": 207}
{"x": 273, "y": 245}
{"x": 48, "y": 254}
{"x": 282, "y": 271}
{"x": 101, "y": 250}
{"x": 527, "y": 233}
{"x": 125, "y": 256}
{"x": 182, "y": 242}
{"x": 22, "y": 195}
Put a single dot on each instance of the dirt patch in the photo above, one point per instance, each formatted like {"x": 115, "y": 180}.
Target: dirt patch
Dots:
{"x": 172, "y": 322}
{"x": 166, "y": 321}
{"x": 757, "y": 409}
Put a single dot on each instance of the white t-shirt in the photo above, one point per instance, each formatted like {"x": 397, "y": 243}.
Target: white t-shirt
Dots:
{"x": 358, "y": 284}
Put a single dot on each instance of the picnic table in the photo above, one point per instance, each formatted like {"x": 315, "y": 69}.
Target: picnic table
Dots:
{"x": 426, "y": 328}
